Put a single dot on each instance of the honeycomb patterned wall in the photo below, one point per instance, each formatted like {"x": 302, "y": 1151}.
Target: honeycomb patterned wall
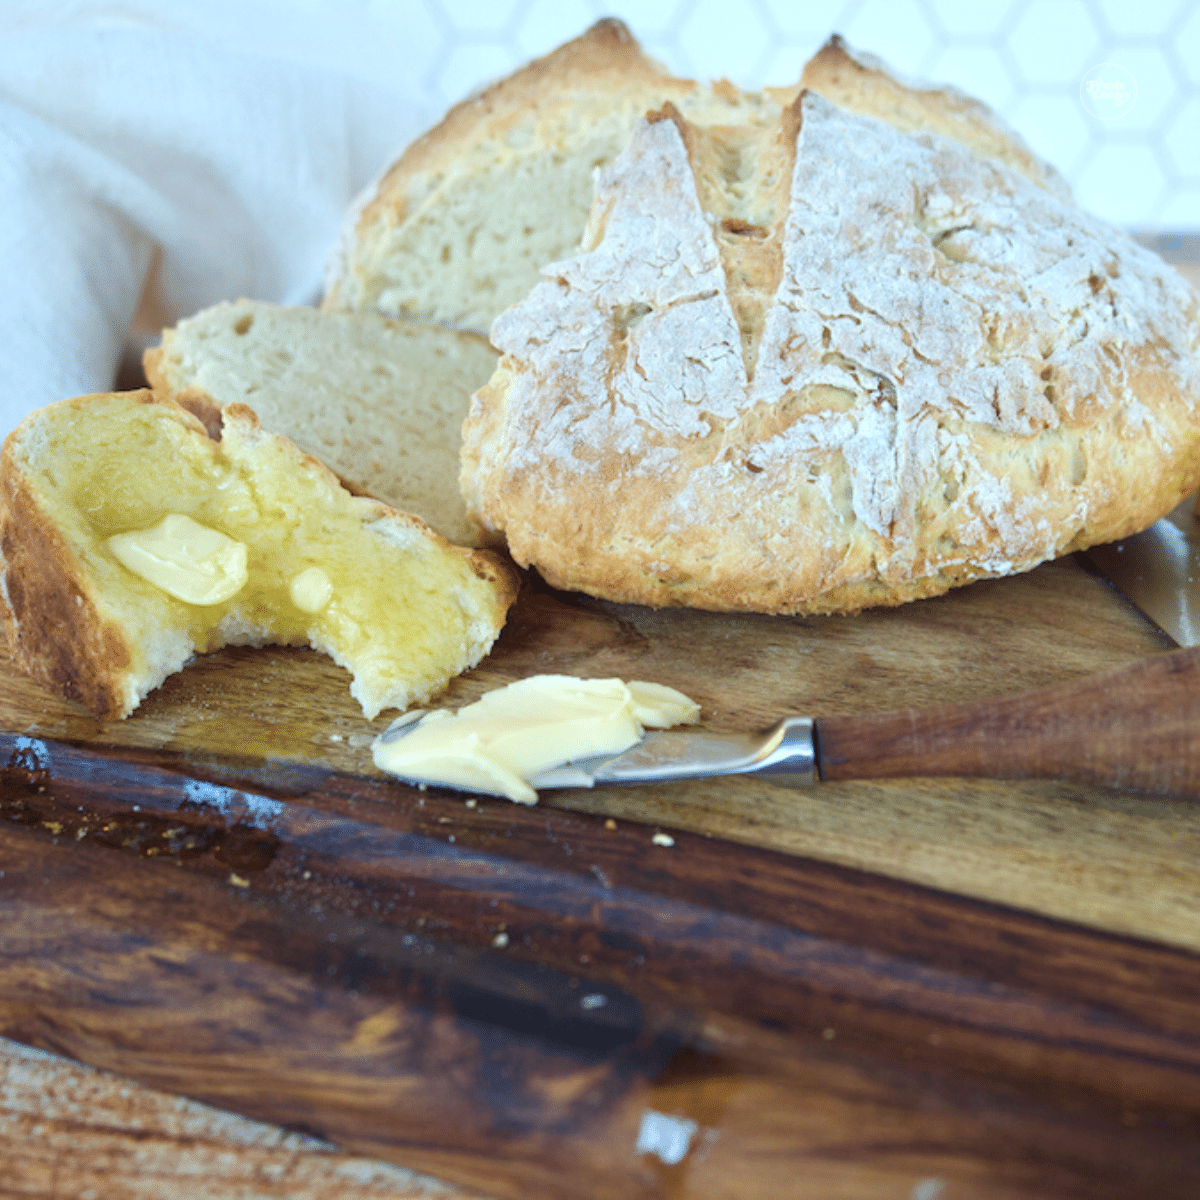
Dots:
{"x": 1135, "y": 162}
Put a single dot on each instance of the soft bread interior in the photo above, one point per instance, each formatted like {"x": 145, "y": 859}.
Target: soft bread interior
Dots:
{"x": 406, "y": 610}
{"x": 380, "y": 402}
{"x": 460, "y": 226}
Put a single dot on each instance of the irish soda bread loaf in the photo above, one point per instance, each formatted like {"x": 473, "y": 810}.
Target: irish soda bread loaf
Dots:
{"x": 875, "y": 366}
{"x": 261, "y": 544}
{"x": 379, "y": 402}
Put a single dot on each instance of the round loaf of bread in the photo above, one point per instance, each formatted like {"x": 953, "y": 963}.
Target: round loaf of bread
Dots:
{"x": 866, "y": 367}
{"x": 298, "y": 560}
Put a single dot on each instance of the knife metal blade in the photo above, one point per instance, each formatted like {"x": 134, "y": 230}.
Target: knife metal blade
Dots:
{"x": 1158, "y": 570}
{"x": 785, "y": 754}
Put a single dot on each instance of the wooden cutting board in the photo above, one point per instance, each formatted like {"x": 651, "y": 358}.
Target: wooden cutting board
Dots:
{"x": 929, "y": 988}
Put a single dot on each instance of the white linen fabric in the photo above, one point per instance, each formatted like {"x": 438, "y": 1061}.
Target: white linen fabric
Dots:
{"x": 174, "y": 153}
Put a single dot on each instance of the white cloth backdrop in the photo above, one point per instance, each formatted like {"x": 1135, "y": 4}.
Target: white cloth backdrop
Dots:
{"x": 197, "y": 150}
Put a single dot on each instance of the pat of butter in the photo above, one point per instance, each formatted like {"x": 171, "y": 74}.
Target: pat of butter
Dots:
{"x": 515, "y": 733}
{"x": 185, "y": 559}
{"x": 311, "y": 590}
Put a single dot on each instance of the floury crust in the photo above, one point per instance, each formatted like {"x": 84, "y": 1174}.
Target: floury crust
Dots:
{"x": 830, "y": 365}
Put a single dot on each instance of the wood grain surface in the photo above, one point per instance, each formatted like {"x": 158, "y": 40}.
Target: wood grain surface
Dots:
{"x": 71, "y": 1131}
{"x": 332, "y": 963}
{"x": 1120, "y": 862}
{"x": 927, "y": 988}
{"x": 835, "y": 1111}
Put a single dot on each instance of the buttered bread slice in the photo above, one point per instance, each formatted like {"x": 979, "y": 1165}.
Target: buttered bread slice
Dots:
{"x": 379, "y": 402}
{"x": 136, "y": 533}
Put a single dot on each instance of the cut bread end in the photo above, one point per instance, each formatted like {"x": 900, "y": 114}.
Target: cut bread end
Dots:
{"x": 380, "y": 402}
{"x": 400, "y": 607}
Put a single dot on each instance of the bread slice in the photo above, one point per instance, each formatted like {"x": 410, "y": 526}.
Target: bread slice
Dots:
{"x": 390, "y": 600}
{"x": 458, "y": 228}
{"x": 379, "y": 402}
{"x": 881, "y": 367}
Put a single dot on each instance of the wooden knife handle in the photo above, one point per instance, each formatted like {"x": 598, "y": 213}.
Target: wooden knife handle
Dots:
{"x": 1137, "y": 728}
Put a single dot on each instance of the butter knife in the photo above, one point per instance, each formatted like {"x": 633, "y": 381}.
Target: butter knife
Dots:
{"x": 1137, "y": 729}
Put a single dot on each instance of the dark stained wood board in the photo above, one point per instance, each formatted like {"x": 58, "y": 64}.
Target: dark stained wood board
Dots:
{"x": 884, "y": 1036}
{"x": 331, "y": 964}
{"x": 1122, "y": 863}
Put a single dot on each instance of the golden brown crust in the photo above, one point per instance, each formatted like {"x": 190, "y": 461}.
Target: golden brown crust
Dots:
{"x": 862, "y": 84}
{"x": 55, "y": 631}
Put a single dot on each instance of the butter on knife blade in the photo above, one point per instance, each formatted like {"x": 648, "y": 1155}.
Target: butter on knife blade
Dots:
{"x": 516, "y": 733}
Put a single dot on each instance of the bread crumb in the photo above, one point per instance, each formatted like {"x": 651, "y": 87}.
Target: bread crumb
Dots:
{"x": 238, "y": 881}
{"x": 663, "y": 839}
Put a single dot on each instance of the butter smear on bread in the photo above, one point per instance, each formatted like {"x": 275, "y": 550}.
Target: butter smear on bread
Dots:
{"x": 187, "y": 560}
